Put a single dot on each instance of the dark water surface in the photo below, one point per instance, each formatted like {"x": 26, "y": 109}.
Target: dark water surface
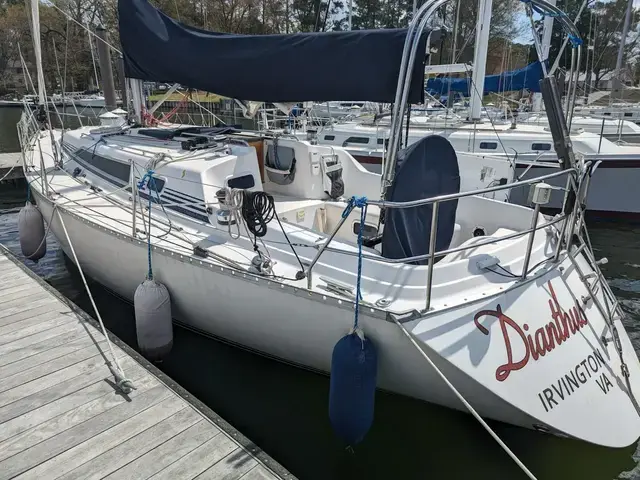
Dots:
{"x": 284, "y": 409}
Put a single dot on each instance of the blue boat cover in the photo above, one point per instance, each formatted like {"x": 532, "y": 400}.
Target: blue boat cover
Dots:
{"x": 527, "y": 77}
{"x": 354, "y": 66}
{"x": 425, "y": 169}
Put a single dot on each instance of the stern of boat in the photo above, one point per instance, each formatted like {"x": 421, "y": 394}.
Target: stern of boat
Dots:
{"x": 550, "y": 354}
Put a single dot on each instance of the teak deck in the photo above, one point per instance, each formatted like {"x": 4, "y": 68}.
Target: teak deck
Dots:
{"x": 62, "y": 418}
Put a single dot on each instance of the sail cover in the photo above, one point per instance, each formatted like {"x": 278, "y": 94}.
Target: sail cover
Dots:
{"x": 359, "y": 65}
{"x": 527, "y": 77}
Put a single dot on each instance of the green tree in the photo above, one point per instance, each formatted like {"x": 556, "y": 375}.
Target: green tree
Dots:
{"x": 600, "y": 27}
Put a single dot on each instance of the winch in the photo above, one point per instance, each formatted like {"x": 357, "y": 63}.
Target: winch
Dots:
{"x": 224, "y": 216}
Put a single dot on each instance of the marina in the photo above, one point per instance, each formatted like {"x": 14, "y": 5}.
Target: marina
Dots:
{"x": 62, "y": 415}
{"x": 291, "y": 403}
{"x": 426, "y": 247}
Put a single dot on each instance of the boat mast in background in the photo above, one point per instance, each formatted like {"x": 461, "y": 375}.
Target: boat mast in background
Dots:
{"x": 106, "y": 72}
{"x": 480, "y": 58}
{"x": 351, "y": 15}
{"x": 32, "y": 5}
{"x": 547, "y": 30}
{"x": 617, "y": 86}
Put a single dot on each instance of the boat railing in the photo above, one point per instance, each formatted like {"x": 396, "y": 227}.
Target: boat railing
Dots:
{"x": 28, "y": 128}
{"x": 29, "y": 136}
{"x": 569, "y": 219}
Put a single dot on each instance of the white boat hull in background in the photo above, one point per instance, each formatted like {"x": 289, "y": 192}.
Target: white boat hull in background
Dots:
{"x": 93, "y": 102}
{"x": 613, "y": 189}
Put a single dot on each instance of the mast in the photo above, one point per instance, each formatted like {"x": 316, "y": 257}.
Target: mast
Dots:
{"x": 106, "y": 72}
{"x": 547, "y": 30}
{"x": 625, "y": 32}
{"x": 483, "y": 26}
{"x": 33, "y": 7}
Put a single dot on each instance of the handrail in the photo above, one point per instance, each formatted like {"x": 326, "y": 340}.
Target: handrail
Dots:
{"x": 416, "y": 27}
{"x": 455, "y": 196}
{"x": 442, "y": 253}
{"x": 434, "y": 200}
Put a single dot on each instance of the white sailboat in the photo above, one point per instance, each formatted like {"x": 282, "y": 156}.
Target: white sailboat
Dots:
{"x": 267, "y": 241}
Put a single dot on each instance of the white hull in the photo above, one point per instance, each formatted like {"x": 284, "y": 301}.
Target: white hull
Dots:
{"x": 284, "y": 323}
{"x": 89, "y": 102}
{"x": 549, "y": 381}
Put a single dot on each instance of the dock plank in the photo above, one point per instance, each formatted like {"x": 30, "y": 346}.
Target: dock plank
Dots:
{"x": 95, "y": 444}
{"x": 25, "y": 314}
{"x": 32, "y": 321}
{"x": 33, "y": 456}
{"x": 167, "y": 453}
{"x": 55, "y": 378}
{"x": 99, "y": 391}
{"x": 231, "y": 467}
{"x": 15, "y": 290}
{"x": 133, "y": 448}
{"x": 63, "y": 417}
{"x": 86, "y": 404}
{"x": 35, "y": 372}
{"x": 46, "y": 355}
{"x": 69, "y": 328}
{"x": 259, "y": 473}
{"x": 24, "y": 352}
{"x": 198, "y": 460}
{"x": 22, "y": 297}
{"x": 19, "y": 306}
{"x": 55, "y": 392}
{"x": 53, "y": 321}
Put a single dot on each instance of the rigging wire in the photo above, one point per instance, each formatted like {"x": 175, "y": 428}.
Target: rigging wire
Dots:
{"x": 464, "y": 401}
{"x": 16, "y": 163}
{"x": 93, "y": 60}
{"x": 69, "y": 17}
{"x": 493, "y": 126}
{"x": 122, "y": 382}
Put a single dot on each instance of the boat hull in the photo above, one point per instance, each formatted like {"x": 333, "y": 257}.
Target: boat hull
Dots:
{"x": 612, "y": 193}
{"x": 89, "y": 102}
{"x": 295, "y": 326}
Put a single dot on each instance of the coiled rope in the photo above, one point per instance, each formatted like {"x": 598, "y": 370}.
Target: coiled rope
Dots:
{"x": 258, "y": 209}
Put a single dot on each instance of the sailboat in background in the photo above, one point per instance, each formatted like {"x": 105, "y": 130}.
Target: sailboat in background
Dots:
{"x": 284, "y": 246}
{"x": 529, "y": 144}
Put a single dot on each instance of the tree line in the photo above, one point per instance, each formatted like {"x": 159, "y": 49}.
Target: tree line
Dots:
{"x": 68, "y": 52}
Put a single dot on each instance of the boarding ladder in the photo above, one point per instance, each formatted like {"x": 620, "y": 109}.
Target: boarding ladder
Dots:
{"x": 609, "y": 307}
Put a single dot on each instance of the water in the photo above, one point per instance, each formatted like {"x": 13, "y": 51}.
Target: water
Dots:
{"x": 284, "y": 409}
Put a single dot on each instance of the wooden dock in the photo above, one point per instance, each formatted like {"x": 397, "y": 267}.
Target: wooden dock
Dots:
{"x": 10, "y": 166}
{"x": 61, "y": 416}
